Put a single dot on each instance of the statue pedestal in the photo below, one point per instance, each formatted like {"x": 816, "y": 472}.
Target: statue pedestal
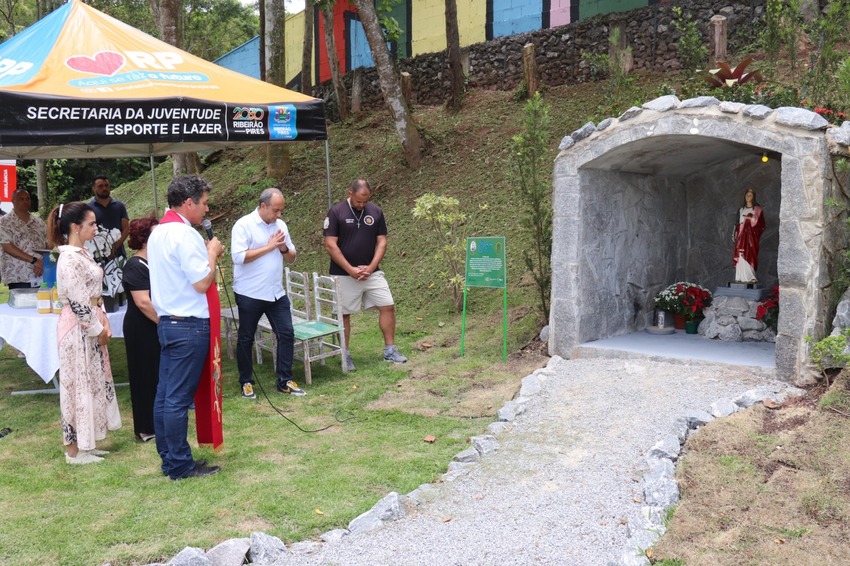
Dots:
{"x": 732, "y": 318}
{"x": 749, "y": 291}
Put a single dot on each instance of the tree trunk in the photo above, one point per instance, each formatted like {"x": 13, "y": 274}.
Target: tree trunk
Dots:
{"x": 170, "y": 22}
{"x": 41, "y": 183}
{"x": 333, "y": 62}
{"x": 278, "y": 160}
{"x": 411, "y": 143}
{"x": 453, "y": 53}
{"x": 307, "y": 57}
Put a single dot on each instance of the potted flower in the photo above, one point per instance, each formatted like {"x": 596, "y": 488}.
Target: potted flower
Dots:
{"x": 694, "y": 299}
{"x": 768, "y": 309}
{"x": 684, "y": 300}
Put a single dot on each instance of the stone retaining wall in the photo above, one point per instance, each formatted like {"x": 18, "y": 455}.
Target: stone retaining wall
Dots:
{"x": 733, "y": 319}
{"x": 497, "y": 64}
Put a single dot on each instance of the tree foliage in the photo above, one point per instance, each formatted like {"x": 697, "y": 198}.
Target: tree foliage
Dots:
{"x": 531, "y": 169}
{"x": 445, "y": 218}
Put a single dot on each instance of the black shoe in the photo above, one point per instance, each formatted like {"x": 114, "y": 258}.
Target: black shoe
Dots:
{"x": 201, "y": 471}
{"x": 198, "y": 464}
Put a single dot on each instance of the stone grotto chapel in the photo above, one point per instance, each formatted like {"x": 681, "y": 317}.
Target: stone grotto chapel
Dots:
{"x": 651, "y": 198}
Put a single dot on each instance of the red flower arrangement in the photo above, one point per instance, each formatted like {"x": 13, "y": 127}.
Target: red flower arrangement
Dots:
{"x": 768, "y": 309}
{"x": 694, "y": 299}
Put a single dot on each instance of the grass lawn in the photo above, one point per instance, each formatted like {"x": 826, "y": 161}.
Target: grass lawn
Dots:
{"x": 275, "y": 478}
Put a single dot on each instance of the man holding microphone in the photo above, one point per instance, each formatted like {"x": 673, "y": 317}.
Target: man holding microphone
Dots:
{"x": 182, "y": 269}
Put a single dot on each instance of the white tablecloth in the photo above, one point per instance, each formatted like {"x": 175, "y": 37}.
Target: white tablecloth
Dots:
{"x": 35, "y": 335}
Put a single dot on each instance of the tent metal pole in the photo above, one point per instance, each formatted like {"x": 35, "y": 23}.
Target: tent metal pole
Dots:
{"x": 328, "y": 171}
{"x": 153, "y": 180}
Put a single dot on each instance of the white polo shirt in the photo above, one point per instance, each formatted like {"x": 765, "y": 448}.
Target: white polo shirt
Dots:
{"x": 262, "y": 279}
{"x": 177, "y": 257}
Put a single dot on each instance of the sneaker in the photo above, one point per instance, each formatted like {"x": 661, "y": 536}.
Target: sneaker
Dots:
{"x": 391, "y": 354}
{"x": 349, "y": 360}
{"x": 291, "y": 388}
{"x": 82, "y": 458}
{"x": 248, "y": 391}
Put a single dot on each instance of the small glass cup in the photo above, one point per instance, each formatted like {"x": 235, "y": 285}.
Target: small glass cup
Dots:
{"x": 660, "y": 319}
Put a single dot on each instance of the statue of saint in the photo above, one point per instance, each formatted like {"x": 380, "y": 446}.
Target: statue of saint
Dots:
{"x": 746, "y": 236}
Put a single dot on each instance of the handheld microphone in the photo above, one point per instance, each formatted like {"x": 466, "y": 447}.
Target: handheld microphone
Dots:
{"x": 207, "y": 226}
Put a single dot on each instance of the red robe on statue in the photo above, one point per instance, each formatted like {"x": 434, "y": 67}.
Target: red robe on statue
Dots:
{"x": 208, "y": 398}
{"x": 748, "y": 236}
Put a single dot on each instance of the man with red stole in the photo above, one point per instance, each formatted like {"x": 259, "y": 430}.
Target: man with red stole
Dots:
{"x": 182, "y": 271}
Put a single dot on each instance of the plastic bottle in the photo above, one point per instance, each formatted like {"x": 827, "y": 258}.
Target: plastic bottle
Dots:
{"x": 55, "y": 303}
{"x": 42, "y": 298}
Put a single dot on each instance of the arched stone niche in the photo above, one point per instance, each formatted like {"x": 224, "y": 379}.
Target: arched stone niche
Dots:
{"x": 651, "y": 198}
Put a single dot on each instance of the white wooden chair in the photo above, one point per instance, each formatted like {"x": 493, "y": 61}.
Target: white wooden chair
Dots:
{"x": 297, "y": 286}
{"x": 230, "y": 331}
{"x": 323, "y": 336}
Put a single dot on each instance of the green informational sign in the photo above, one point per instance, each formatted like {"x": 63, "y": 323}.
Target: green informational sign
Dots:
{"x": 485, "y": 267}
{"x": 485, "y": 262}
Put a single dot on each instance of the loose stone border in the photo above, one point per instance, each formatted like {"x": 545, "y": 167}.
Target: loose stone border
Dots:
{"x": 660, "y": 489}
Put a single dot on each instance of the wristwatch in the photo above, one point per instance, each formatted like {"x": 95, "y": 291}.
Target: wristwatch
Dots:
{"x": 34, "y": 259}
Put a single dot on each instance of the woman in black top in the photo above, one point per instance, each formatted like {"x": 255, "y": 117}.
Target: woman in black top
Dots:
{"x": 140, "y": 337}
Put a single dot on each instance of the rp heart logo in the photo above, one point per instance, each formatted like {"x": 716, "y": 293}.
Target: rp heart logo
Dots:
{"x": 103, "y": 63}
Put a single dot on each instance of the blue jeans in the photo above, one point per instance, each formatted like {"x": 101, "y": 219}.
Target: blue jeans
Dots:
{"x": 185, "y": 343}
{"x": 280, "y": 318}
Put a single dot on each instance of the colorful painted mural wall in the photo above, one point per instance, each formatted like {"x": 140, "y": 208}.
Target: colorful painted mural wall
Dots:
{"x": 423, "y": 29}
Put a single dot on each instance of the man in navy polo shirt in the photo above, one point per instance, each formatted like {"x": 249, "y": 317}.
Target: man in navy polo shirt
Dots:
{"x": 110, "y": 213}
{"x": 356, "y": 239}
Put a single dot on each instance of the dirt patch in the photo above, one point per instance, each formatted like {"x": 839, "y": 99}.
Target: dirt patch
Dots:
{"x": 463, "y": 394}
{"x": 766, "y": 486}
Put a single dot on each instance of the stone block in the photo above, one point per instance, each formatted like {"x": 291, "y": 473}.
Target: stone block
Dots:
{"x": 566, "y": 143}
{"x": 723, "y": 408}
{"x": 365, "y": 522}
{"x": 630, "y": 113}
{"x": 757, "y": 111}
{"x": 389, "y": 508}
{"x": 667, "y": 448}
{"x": 231, "y": 552}
{"x": 497, "y": 427}
{"x": 583, "y": 132}
{"x": 663, "y": 103}
{"x": 697, "y": 418}
{"x": 700, "y": 102}
{"x": 334, "y": 535}
{"x": 800, "y": 118}
{"x": 468, "y": 455}
{"x": 731, "y": 333}
{"x": 510, "y": 411}
{"x": 793, "y": 264}
{"x": 747, "y": 323}
{"x": 531, "y": 385}
{"x": 484, "y": 443}
{"x": 190, "y": 556}
{"x": 731, "y": 107}
{"x": 265, "y": 549}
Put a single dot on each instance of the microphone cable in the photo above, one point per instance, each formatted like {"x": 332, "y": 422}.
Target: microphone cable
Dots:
{"x": 207, "y": 226}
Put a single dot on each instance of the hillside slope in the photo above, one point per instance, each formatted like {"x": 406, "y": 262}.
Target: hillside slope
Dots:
{"x": 467, "y": 157}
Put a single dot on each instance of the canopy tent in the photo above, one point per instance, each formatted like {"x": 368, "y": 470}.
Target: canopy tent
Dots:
{"x": 81, "y": 84}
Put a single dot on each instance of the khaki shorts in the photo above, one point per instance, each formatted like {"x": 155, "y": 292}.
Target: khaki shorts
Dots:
{"x": 372, "y": 293}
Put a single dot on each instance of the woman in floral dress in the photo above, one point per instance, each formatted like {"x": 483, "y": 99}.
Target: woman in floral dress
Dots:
{"x": 86, "y": 391}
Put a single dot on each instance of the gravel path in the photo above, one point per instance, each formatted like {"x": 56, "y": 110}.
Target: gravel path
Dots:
{"x": 564, "y": 480}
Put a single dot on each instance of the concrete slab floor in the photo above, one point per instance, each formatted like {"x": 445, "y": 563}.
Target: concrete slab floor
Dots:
{"x": 688, "y": 348}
